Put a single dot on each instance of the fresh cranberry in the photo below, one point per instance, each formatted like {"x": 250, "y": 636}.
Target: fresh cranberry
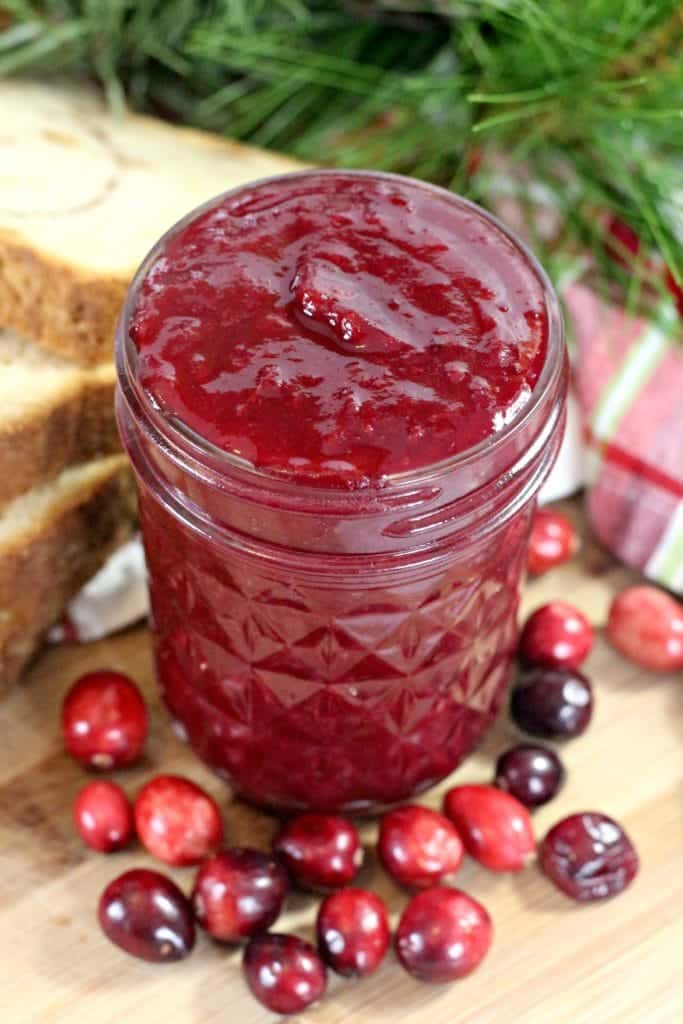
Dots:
{"x": 283, "y": 972}
{"x": 320, "y": 851}
{"x": 418, "y": 846}
{"x": 238, "y": 893}
{"x": 104, "y": 720}
{"x": 531, "y": 773}
{"x": 646, "y": 625}
{"x": 147, "y": 915}
{"x": 443, "y": 935}
{"x": 353, "y": 932}
{"x": 589, "y": 857}
{"x": 177, "y": 821}
{"x": 553, "y": 703}
{"x": 495, "y": 827}
{"x": 103, "y": 817}
{"x": 557, "y": 635}
{"x": 553, "y": 541}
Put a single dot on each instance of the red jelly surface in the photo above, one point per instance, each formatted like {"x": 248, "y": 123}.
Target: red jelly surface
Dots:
{"x": 333, "y": 330}
{"x": 337, "y": 328}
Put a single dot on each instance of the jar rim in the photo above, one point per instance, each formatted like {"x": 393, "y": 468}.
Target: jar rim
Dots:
{"x": 179, "y": 435}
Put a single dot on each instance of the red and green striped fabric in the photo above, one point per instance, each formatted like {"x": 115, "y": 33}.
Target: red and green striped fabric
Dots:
{"x": 628, "y": 375}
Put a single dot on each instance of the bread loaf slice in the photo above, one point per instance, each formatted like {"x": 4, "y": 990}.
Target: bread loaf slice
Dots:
{"x": 53, "y": 414}
{"x": 85, "y": 195}
{"x": 52, "y": 540}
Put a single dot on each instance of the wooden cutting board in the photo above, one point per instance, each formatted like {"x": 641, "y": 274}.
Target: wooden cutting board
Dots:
{"x": 552, "y": 962}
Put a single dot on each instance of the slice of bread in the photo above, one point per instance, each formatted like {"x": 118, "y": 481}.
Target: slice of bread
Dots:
{"x": 53, "y": 414}
{"x": 83, "y": 196}
{"x": 52, "y": 540}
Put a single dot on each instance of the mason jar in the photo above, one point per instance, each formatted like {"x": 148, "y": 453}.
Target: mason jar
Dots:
{"x": 331, "y": 648}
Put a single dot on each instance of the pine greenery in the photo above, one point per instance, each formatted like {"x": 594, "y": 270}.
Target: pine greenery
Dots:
{"x": 586, "y": 94}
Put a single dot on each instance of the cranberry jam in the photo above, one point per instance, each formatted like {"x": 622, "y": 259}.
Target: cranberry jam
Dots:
{"x": 341, "y": 393}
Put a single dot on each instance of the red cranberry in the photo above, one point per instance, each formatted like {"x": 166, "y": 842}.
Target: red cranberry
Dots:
{"x": 177, "y": 821}
{"x": 353, "y": 932}
{"x": 495, "y": 827}
{"x": 553, "y": 541}
{"x": 320, "y": 851}
{"x": 589, "y": 857}
{"x": 147, "y": 915}
{"x": 532, "y": 774}
{"x": 104, "y": 720}
{"x": 553, "y": 702}
{"x": 238, "y": 893}
{"x": 646, "y": 625}
{"x": 103, "y": 817}
{"x": 556, "y": 636}
{"x": 418, "y": 846}
{"x": 283, "y": 972}
{"x": 443, "y": 935}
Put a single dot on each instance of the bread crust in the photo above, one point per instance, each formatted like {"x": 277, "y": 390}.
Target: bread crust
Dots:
{"x": 78, "y": 427}
{"x": 47, "y": 567}
{"x": 60, "y": 307}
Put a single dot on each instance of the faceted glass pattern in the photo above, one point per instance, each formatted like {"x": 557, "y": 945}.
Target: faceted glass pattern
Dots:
{"x": 333, "y": 694}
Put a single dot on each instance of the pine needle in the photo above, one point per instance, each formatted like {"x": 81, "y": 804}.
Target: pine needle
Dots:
{"x": 590, "y": 93}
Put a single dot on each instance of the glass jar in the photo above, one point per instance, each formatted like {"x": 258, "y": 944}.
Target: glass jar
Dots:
{"x": 336, "y": 649}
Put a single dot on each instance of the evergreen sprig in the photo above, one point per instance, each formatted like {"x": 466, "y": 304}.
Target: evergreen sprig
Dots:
{"x": 587, "y": 96}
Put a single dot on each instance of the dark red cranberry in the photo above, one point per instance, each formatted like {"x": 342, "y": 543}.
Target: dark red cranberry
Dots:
{"x": 147, "y": 915}
{"x": 353, "y": 932}
{"x": 495, "y": 827}
{"x": 238, "y": 893}
{"x": 443, "y": 935}
{"x": 589, "y": 857}
{"x": 177, "y": 821}
{"x": 557, "y": 635}
{"x": 320, "y": 851}
{"x": 553, "y": 702}
{"x": 104, "y": 720}
{"x": 283, "y": 972}
{"x": 103, "y": 816}
{"x": 418, "y": 846}
{"x": 532, "y": 774}
{"x": 646, "y": 625}
{"x": 553, "y": 541}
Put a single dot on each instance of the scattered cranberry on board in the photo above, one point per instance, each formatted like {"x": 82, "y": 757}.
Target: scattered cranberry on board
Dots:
{"x": 553, "y": 703}
{"x": 352, "y": 929}
{"x": 552, "y": 542}
{"x": 556, "y": 635}
{"x": 146, "y": 915}
{"x": 419, "y": 847}
{"x": 104, "y": 720}
{"x": 589, "y": 857}
{"x": 239, "y": 893}
{"x": 443, "y": 935}
{"x": 495, "y": 827}
{"x": 177, "y": 821}
{"x": 531, "y": 773}
{"x": 320, "y": 851}
{"x": 103, "y": 817}
{"x": 646, "y": 625}
{"x": 283, "y": 972}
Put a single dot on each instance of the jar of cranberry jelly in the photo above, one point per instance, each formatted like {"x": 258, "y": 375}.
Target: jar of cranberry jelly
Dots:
{"x": 340, "y": 393}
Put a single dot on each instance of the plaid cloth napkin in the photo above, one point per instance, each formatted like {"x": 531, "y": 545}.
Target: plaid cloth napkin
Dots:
{"x": 628, "y": 376}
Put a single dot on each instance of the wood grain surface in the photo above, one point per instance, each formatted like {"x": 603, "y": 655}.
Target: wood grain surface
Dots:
{"x": 552, "y": 962}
